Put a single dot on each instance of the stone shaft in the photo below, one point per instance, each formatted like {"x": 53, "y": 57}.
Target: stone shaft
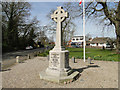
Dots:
{"x": 58, "y": 16}
{"x": 58, "y": 69}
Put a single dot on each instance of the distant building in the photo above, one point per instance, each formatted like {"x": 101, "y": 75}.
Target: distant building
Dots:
{"x": 88, "y": 40}
{"x": 78, "y": 40}
{"x": 100, "y": 42}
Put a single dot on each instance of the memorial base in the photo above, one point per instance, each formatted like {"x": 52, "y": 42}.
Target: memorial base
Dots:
{"x": 58, "y": 69}
{"x": 56, "y": 79}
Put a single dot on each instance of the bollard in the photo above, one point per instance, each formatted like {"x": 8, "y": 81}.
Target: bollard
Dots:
{"x": 17, "y": 59}
{"x": 73, "y": 59}
{"x": 89, "y": 60}
{"x": 48, "y": 57}
{"x": 28, "y": 56}
{"x": 0, "y": 65}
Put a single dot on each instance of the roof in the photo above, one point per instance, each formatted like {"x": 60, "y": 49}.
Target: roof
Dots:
{"x": 101, "y": 40}
{"x": 77, "y": 36}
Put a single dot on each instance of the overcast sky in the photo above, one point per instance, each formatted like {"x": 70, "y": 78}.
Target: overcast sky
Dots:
{"x": 41, "y": 9}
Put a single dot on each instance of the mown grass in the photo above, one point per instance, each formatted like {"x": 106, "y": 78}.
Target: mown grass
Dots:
{"x": 44, "y": 54}
{"x": 96, "y": 54}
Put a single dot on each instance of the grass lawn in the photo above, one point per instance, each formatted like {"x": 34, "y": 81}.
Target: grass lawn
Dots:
{"x": 96, "y": 54}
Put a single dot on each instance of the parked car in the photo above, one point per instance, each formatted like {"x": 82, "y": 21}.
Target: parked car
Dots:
{"x": 29, "y": 48}
{"x": 75, "y": 46}
{"x": 109, "y": 46}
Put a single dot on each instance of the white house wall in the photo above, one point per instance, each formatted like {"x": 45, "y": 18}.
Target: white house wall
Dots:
{"x": 77, "y": 40}
{"x": 93, "y": 45}
{"x": 100, "y": 45}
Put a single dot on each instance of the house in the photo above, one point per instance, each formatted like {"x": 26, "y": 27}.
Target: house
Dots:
{"x": 88, "y": 40}
{"x": 77, "y": 40}
{"x": 100, "y": 42}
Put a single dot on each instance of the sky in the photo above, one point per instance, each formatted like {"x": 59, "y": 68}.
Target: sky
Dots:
{"x": 41, "y": 9}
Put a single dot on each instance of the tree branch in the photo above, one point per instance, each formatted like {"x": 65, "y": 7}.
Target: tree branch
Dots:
{"x": 98, "y": 10}
{"x": 106, "y": 12}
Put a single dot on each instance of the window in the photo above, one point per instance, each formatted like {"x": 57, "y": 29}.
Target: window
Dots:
{"x": 81, "y": 38}
{"x": 73, "y": 39}
{"x": 77, "y": 39}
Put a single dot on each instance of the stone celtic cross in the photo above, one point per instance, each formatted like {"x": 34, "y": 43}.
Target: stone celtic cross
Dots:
{"x": 58, "y": 16}
{"x": 59, "y": 70}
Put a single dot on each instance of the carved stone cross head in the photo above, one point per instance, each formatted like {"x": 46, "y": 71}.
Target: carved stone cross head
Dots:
{"x": 59, "y": 15}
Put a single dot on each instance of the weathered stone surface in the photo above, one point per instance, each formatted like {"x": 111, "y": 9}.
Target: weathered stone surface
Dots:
{"x": 58, "y": 16}
{"x": 61, "y": 79}
{"x": 58, "y": 69}
{"x": 58, "y": 63}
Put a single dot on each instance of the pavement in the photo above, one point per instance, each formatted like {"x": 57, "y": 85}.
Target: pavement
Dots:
{"x": 99, "y": 74}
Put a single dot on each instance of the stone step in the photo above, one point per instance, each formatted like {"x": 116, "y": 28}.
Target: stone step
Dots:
{"x": 69, "y": 72}
{"x": 73, "y": 76}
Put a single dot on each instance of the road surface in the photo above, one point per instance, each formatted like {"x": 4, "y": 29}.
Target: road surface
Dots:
{"x": 11, "y": 55}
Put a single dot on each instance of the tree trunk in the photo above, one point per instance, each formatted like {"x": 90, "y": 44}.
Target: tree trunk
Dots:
{"x": 118, "y": 37}
{"x": 117, "y": 27}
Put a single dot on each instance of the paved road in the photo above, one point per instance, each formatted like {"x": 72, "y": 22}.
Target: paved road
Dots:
{"x": 11, "y": 55}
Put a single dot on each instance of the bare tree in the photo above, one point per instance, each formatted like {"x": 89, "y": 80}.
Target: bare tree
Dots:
{"x": 108, "y": 13}
{"x": 88, "y": 36}
{"x": 17, "y": 28}
{"x": 42, "y": 36}
{"x": 68, "y": 26}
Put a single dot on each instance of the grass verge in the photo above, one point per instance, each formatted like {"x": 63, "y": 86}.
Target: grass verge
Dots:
{"x": 96, "y": 54}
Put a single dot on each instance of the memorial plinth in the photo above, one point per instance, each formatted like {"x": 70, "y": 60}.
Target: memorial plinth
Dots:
{"x": 59, "y": 69}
